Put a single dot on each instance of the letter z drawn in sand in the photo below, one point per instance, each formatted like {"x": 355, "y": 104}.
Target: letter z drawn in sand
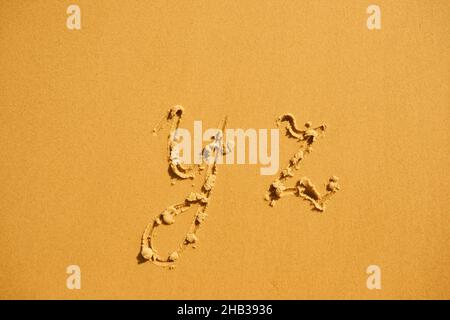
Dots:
{"x": 199, "y": 199}
{"x": 304, "y": 187}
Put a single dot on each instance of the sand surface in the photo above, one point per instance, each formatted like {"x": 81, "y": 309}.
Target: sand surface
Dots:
{"x": 82, "y": 174}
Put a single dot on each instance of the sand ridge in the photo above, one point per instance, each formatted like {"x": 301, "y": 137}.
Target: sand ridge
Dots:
{"x": 200, "y": 199}
{"x": 304, "y": 188}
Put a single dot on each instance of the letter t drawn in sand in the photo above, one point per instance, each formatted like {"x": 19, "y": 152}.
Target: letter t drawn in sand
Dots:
{"x": 199, "y": 199}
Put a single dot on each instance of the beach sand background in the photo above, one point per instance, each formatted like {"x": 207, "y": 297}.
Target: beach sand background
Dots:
{"x": 81, "y": 174}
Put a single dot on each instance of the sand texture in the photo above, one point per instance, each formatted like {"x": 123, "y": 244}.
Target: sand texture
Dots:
{"x": 90, "y": 177}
